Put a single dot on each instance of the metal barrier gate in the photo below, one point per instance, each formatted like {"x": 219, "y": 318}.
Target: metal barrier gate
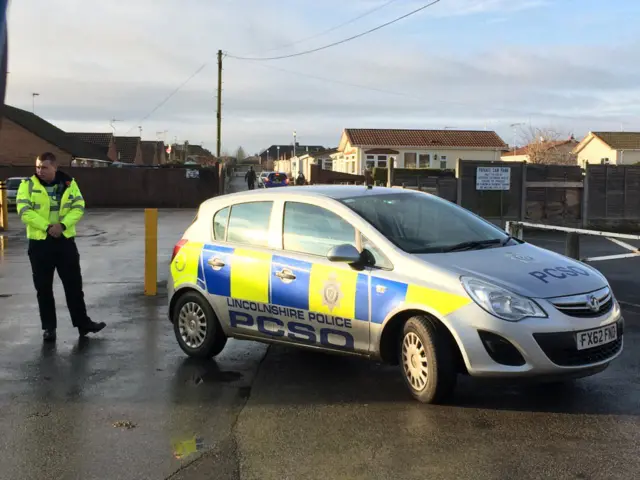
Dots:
{"x": 572, "y": 245}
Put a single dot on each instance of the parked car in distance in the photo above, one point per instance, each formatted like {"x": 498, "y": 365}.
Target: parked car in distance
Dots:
{"x": 262, "y": 177}
{"x": 276, "y": 179}
{"x": 13, "y": 183}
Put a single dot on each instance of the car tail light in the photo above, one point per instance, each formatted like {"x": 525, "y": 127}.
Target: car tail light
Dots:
{"x": 177, "y": 248}
{"x": 287, "y": 180}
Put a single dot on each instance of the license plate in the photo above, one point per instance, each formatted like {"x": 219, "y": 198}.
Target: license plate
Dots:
{"x": 597, "y": 337}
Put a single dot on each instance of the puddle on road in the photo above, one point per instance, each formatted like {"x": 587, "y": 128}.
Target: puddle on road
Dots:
{"x": 216, "y": 377}
{"x": 198, "y": 372}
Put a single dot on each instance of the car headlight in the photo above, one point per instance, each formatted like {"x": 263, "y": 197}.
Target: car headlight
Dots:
{"x": 501, "y": 303}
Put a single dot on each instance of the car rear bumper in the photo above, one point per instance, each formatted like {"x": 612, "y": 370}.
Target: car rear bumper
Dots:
{"x": 535, "y": 347}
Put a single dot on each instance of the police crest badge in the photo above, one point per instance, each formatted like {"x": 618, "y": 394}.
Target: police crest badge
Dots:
{"x": 331, "y": 294}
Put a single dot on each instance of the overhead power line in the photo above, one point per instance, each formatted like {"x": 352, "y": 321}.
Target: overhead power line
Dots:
{"x": 168, "y": 97}
{"x": 194, "y": 74}
{"x": 340, "y": 42}
{"x": 332, "y": 29}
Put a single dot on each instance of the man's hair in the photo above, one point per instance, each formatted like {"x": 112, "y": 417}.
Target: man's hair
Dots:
{"x": 47, "y": 156}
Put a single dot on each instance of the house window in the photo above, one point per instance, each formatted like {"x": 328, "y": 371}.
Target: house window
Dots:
{"x": 410, "y": 160}
{"x": 424, "y": 160}
{"x": 443, "y": 162}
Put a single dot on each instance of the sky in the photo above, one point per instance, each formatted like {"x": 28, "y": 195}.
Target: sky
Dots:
{"x": 568, "y": 65}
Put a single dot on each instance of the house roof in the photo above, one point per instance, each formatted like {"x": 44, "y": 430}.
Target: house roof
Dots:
{"x": 102, "y": 140}
{"x": 127, "y": 148}
{"x": 149, "y": 152}
{"x": 52, "y": 134}
{"x": 620, "y": 140}
{"x": 424, "y": 138}
{"x": 551, "y": 144}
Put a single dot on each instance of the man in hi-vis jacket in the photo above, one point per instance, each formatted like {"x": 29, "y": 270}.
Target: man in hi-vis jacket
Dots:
{"x": 50, "y": 205}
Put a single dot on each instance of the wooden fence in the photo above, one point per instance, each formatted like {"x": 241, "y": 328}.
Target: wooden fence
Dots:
{"x": 140, "y": 187}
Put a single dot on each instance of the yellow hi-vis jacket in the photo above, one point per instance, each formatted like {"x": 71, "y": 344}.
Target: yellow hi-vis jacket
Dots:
{"x": 32, "y": 202}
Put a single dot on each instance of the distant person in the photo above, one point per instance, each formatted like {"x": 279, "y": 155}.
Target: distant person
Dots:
{"x": 300, "y": 180}
{"x": 50, "y": 205}
{"x": 250, "y": 178}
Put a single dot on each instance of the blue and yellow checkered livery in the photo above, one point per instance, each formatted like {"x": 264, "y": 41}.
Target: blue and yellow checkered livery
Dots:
{"x": 247, "y": 274}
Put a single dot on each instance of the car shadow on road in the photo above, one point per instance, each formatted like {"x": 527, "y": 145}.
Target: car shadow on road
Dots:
{"x": 296, "y": 376}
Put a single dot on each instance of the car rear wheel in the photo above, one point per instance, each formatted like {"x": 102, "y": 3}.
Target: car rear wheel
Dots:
{"x": 427, "y": 360}
{"x": 196, "y": 327}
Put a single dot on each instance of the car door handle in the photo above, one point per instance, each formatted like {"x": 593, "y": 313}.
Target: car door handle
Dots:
{"x": 285, "y": 275}
{"x": 216, "y": 263}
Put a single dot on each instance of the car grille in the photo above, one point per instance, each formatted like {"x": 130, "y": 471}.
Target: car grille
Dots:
{"x": 561, "y": 348}
{"x": 583, "y": 305}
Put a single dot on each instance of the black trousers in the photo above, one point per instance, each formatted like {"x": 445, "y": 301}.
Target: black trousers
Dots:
{"x": 251, "y": 185}
{"x": 46, "y": 257}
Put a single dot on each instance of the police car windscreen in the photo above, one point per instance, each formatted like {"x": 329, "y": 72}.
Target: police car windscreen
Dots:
{"x": 13, "y": 183}
{"x": 420, "y": 223}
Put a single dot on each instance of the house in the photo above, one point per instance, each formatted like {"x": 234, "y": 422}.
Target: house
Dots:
{"x": 615, "y": 148}
{"x": 104, "y": 141}
{"x": 129, "y": 150}
{"x": 285, "y": 152}
{"x": 369, "y": 148}
{"x": 25, "y": 135}
{"x": 548, "y": 152}
{"x": 302, "y": 163}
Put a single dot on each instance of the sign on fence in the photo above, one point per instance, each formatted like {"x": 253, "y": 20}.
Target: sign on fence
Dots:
{"x": 190, "y": 173}
{"x": 493, "y": 178}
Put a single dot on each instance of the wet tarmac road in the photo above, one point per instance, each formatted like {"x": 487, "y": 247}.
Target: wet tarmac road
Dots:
{"x": 260, "y": 412}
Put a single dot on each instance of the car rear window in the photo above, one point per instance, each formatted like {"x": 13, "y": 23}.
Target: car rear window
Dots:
{"x": 277, "y": 177}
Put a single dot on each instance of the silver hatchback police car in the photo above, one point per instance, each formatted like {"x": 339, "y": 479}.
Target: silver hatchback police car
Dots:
{"x": 390, "y": 274}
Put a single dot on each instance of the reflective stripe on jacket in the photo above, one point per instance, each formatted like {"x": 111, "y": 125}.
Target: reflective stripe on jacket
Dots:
{"x": 32, "y": 202}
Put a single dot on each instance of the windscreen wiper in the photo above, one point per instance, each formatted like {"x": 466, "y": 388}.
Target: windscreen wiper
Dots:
{"x": 473, "y": 245}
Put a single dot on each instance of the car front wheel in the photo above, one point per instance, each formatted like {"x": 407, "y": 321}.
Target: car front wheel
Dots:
{"x": 196, "y": 327}
{"x": 427, "y": 360}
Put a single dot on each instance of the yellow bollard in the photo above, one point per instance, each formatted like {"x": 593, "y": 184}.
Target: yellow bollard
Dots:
{"x": 4, "y": 207}
{"x": 150, "y": 251}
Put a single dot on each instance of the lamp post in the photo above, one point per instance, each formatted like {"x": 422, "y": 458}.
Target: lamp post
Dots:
{"x": 515, "y": 126}
{"x": 33, "y": 101}
{"x": 294, "y": 143}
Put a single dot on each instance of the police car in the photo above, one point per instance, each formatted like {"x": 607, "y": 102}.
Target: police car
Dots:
{"x": 393, "y": 275}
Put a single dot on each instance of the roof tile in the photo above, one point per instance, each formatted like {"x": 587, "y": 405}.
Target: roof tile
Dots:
{"x": 620, "y": 140}
{"x": 425, "y": 138}
{"x": 52, "y": 134}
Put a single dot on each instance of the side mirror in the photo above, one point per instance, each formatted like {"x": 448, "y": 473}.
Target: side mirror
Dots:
{"x": 344, "y": 253}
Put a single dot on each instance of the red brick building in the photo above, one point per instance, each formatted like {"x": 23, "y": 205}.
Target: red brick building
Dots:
{"x": 25, "y": 135}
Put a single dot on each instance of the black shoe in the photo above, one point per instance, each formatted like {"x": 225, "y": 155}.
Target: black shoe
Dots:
{"x": 91, "y": 327}
{"x": 49, "y": 336}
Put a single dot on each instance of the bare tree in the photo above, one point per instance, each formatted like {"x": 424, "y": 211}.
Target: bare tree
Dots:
{"x": 546, "y": 146}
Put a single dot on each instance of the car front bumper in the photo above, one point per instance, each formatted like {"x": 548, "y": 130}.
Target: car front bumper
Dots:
{"x": 547, "y": 347}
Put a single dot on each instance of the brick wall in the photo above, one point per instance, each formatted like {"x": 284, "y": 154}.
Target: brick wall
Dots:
{"x": 19, "y": 146}
{"x": 113, "y": 151}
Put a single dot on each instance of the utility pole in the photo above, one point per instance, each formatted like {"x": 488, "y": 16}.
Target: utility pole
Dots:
{"x": 219, "y": 103}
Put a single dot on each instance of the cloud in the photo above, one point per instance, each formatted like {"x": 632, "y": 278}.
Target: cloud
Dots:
{"x": 117, "y": 59}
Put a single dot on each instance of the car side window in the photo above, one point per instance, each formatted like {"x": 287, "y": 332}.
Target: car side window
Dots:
{"x": 249, "y": 223}
{"x": 314, "y": 230}
{"x": 376, "y": 257}
{"x": 220, "y": 224}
